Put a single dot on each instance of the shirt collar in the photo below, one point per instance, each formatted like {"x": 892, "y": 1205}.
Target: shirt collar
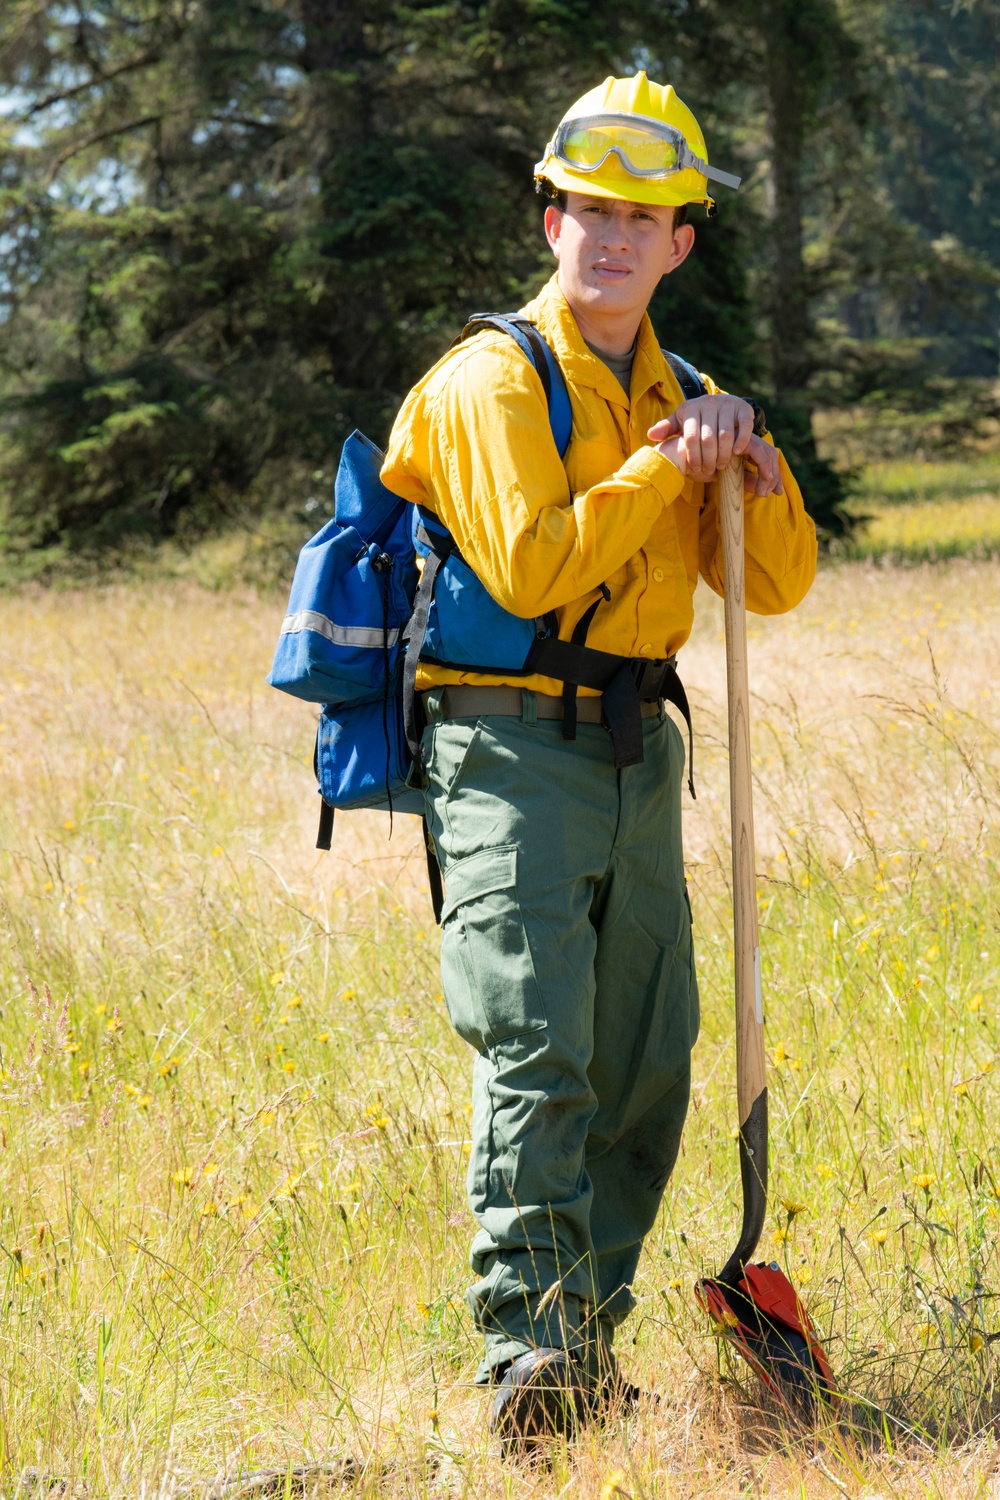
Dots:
{"x": 556, "y": 323}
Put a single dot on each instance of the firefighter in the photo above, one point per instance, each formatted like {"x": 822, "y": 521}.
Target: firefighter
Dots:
{"x": 566, "y": 948}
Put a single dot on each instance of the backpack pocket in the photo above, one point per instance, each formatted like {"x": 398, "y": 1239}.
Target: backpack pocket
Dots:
{"x": 361, "y": 755}
{"x": 467, "y": 628}
{"x": 346, "y": 615}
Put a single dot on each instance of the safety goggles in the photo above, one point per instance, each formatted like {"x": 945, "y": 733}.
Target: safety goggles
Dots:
{"x": 645, "y": 147}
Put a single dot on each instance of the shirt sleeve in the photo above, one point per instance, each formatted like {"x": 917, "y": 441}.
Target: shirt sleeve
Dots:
{"x": 477, "y": 442}
{"x": 779, "y": 541}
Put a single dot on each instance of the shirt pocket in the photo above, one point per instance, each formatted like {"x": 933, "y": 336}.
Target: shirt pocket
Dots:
{"x": 487, "y": 969}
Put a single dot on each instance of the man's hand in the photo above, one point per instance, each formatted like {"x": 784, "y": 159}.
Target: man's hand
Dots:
{"x": 702, "y": 436}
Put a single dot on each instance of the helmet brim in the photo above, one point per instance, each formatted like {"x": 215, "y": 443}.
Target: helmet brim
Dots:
{"x": 613, "y": 181}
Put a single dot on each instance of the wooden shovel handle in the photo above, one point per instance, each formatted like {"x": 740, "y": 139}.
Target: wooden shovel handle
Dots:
{"x": 751, "y": 1076}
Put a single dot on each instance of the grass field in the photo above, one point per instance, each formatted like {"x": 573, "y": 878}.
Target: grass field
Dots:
{"x": 924, "y": 512}
{"x": 234, "y": 1118}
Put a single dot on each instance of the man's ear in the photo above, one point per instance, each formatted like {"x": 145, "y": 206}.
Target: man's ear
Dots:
{"x": 553, "y": 227}
{"x": 681, "y": 248}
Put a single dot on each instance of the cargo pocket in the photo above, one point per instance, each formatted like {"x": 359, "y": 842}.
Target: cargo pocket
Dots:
{"x": 486, "y": 966}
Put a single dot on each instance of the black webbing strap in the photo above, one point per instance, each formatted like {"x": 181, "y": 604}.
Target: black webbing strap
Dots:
{"x": 324, "y": 834}
{"x": 440, "y": 550}
{"x": 579, "y": 638}
{"x": 672, "y": 689}
{"x": 433, "y": 873}
{"x": 550, "y": 657}
{"x": 623, "y": 716}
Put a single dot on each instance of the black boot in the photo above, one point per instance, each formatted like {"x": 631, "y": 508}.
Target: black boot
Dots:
{"x": 618, "y": 1397}
{"x": 542, "y": 1395}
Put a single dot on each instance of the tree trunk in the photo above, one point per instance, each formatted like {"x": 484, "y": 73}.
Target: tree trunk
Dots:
{"x": 789, "y": 64}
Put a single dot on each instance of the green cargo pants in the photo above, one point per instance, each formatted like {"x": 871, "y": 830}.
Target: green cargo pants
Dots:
{"x": 567, "y": 963}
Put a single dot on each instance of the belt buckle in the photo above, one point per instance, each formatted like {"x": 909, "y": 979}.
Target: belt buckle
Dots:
{"x": 649, "y": 677}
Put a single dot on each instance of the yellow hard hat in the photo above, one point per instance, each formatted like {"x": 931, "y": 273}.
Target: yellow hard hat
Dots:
{"x": 631, "y": 139}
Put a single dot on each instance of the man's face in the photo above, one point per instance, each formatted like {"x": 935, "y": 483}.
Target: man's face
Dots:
{"x": 612, "y": 253}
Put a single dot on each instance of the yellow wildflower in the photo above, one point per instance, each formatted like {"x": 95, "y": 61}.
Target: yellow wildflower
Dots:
{"x": 115, "y": 1024}
{"x": 676, "y": 1284}
{"x": 100, "y": 1009}
{"x": 976, "y": 1003}
{"x": 71, "y": 1047}
{"x": 779, "y": 1236}
{"x": 422, "y": 1308}
{"x": 295, "y": 1000}
{"x": 144, "y": 1101}
{"x": 210, "y": 1169}
{"x": 879, "y": 1236}
{"x": 168, "y": 1069}
{"x": 324, "y": 1036}
{"x": 613, "y": 1487}
{"x": 288, "y": 1066}
{"x": 805, "y": 1273}
{"x": 183, "y": 1177}
{"x": 792, "y": 1208}
{"x": 267, "y": 1117}
{"x": 287, "y": 1188}
{"x": 278, "y": 977}
{"x": 209, "y": 1208}
{"x": 924, "y": 1180}
{"x": 977, "y": 1342}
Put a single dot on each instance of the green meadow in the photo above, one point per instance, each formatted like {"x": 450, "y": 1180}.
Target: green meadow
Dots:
{"x": 234, "y": 1118}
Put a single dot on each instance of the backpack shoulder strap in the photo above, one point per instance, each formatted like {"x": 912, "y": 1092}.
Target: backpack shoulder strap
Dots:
{"x": 535, "y": 348}
{"x": 686, "y": 375}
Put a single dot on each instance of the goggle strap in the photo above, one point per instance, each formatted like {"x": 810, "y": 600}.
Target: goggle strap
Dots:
{"x": 726, "y": 178}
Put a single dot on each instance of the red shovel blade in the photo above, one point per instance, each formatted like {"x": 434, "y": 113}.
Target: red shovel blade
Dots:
{"x": 765, "y": 1319}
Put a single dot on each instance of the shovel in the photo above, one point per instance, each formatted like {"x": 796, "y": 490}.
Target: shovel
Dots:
{"x": 754, "y": 1306}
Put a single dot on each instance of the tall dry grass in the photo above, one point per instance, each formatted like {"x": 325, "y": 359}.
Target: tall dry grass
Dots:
{"x": 234, "y": 1118}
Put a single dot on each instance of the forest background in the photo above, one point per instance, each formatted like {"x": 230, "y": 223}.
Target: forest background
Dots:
{"x": 232, "y": 230}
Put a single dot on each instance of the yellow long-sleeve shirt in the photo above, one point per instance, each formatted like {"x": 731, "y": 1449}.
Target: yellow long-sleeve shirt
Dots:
{"x": 472, "y": 443}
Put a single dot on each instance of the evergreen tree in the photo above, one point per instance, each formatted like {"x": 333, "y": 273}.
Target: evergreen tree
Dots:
{"x": 242, "y": 228}
{"x": 232, "y": 229}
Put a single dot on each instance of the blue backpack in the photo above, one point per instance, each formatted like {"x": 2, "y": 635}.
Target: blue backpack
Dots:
{"x": 360, "y": 618}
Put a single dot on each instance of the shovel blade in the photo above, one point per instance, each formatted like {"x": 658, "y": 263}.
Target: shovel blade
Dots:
{"x": 765, "y": 1320}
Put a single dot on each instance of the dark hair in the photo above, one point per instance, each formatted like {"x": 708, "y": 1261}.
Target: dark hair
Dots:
{"x": 559, "y": 198}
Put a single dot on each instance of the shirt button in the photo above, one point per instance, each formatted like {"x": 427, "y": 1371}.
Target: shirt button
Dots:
{"x": 646, "y": 649}
{"x": 658, "y": 574}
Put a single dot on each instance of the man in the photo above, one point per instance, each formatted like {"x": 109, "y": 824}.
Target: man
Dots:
{"x": 566, "y": 946}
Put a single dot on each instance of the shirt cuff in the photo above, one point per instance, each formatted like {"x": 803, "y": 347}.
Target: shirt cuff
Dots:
{"x": 649, "y": 467}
